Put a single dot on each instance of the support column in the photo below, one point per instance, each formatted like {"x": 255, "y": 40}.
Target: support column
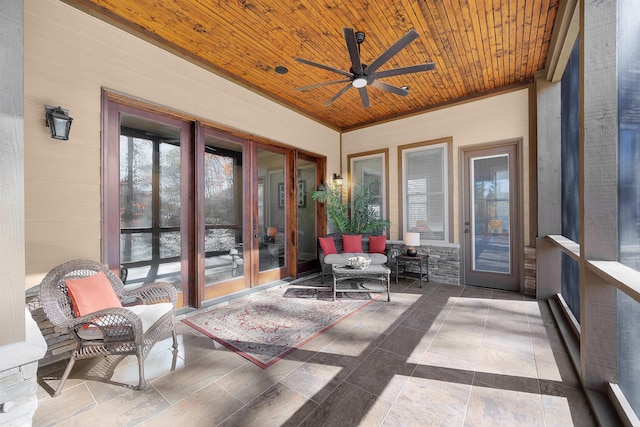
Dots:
{"x": 598, "y": 190}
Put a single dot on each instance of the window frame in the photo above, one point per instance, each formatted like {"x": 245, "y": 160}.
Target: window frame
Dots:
{"x": 447, "y": 145}
{"x": 383, "y": 154}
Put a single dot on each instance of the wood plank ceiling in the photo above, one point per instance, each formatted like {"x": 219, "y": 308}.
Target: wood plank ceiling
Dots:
{"x": 479, "y": 46}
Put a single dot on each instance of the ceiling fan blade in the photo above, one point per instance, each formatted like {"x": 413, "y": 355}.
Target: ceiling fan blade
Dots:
{"x": 354, "y": 52}
{"x": 324, "y": 67}
{"x": 364, "y": 96}
{"x": 404, "y": 70}
{"x": 389, "y": 88}
{"x": 300, "y": 89}
{"x": 337, "y": 95}
{"x": 393, "y": 49}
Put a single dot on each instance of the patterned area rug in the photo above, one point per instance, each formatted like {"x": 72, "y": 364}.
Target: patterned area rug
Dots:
{"x": 268, "y": 325}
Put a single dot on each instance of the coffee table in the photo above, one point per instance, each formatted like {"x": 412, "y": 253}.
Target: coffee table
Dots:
{"x": 374, "y": 278}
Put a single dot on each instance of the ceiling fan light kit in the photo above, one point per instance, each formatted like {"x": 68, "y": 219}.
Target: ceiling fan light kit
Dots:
{"x": 362, "y": 75}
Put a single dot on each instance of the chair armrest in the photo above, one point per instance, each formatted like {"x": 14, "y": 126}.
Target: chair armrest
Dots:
{"x": 153, "y": 293}
{"x": 115, "y": 323}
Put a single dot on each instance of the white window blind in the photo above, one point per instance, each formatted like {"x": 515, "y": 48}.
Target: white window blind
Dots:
{"x": 425, "y": 192}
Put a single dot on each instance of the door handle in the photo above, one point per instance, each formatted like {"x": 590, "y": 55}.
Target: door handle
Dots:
{"x": 466, "y": 230}
{"x": 255, "y": 236}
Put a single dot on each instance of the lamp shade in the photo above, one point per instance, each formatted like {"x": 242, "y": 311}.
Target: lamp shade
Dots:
{"x": 412, "y": 239}
{"x": 272, "y": 231}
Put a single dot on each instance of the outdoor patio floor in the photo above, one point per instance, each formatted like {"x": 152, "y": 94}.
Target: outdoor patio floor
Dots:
{"x": 442, "y": 355}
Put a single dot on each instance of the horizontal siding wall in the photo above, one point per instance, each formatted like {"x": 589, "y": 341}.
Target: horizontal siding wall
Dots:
{"x": 498, "y": 118}
{"x": 69, "y": 57}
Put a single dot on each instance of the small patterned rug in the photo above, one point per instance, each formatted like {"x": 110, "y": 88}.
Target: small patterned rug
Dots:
{"x": 267, "y": 326}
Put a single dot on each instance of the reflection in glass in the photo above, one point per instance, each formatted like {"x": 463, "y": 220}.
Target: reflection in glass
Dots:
{"x": 370, "y": 169}
{"x": 490, "y": 215}
{"x": 150, "y": 201}
{"x": 224, "y": 249}
{"x": 307, "y": 246}
{"x": 272, "y": 210}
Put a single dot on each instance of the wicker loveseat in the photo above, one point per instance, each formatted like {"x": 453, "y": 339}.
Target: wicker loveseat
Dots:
{"x": 378, "y": 256}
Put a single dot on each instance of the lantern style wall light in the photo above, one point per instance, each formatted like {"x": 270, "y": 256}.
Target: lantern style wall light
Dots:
{"x": 58, "y": 121}
{"x": 337, "y": 180}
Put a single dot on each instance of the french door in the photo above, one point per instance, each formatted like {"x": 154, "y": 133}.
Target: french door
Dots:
{"x": 210, "y": 212}
{"x": 491, "y": 226}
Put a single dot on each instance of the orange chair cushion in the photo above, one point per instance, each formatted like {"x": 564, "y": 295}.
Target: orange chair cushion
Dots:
{"x": 352, "y": 243}
{"x": 377, "y": 244}
{"x": 91, "y": 294}
{"x": 328, "y": 245}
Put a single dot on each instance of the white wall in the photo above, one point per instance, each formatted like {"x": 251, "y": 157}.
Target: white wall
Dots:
{"x": 498, "y": 118}
{"x": 69, "y": 57}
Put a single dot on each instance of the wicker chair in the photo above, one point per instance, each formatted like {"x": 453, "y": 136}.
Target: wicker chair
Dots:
{"x": 133, "y": 329}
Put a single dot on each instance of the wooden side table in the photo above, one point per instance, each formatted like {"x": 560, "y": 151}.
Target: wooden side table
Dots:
{"x": 421, "y": 260}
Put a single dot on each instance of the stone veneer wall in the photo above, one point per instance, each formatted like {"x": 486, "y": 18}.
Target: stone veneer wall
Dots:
{"x": 18, "y": 376}
{"x": 444, "y": 260}
{"x": 530, "y": 261}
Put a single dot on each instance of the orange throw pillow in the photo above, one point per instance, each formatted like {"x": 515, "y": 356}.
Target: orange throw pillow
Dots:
{"x": 352, "y": 243}
{"x": 328, "y": 245}
{"x": 377, "y": 244}
{"x": 91, "y": 294}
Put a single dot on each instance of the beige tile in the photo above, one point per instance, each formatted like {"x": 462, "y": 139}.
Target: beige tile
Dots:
{"x": 206, "y": 407}
{"x": 424, "y": 320}
{"x": 155, "y": 366}
{"x": 495, "y": 407}
{"x": 71, "y": 402}
{"x": 512, "y": 362}
{"x": 248, "y": 380}
{"x": 276, "y": 407}
{"x": 320, "y": 376}
{"x": 127, "y": 410}
{"x": 565, "y": 406}
{"x": 382, "y": 374}
{"x": 357, "y": 342}
{"x": 428, "y": 402}
{"x": 179, "y": 384}
{"x": 194, "y": 347}
{"x": 403, "y": 341}
{"x": 478, "y": 349}
{"x": 348, "y": 406}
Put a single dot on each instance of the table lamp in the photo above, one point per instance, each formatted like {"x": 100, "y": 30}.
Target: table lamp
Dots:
{"x": 411, "y": 240}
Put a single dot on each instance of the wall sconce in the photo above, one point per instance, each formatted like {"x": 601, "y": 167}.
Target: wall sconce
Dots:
{"x": 337, "y": 180}
{"x": 58, "y": 121}
{"x": 411, "y": 240}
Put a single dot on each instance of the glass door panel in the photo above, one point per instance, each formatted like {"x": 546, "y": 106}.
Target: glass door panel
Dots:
{"x": 307, "y": 221}
{"x": 490, "y": 214}
{"x": 271, "y": 224}
{"x": 150, "y": 201}
{"x": 223, "y": 216}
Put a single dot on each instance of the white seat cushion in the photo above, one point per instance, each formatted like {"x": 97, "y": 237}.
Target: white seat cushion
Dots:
{"x": 148, "y": 314}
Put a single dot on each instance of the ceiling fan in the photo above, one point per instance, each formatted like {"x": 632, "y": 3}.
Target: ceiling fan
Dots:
{"x": 362, "y": 75}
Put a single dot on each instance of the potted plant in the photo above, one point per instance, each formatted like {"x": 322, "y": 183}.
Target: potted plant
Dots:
{"x": 357, "y": 215}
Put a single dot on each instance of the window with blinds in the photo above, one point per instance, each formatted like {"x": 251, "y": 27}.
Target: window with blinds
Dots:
{"x": 425, "y": 192}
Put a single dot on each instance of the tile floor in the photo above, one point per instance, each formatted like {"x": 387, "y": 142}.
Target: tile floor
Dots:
{"x": 438, "y": 356}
